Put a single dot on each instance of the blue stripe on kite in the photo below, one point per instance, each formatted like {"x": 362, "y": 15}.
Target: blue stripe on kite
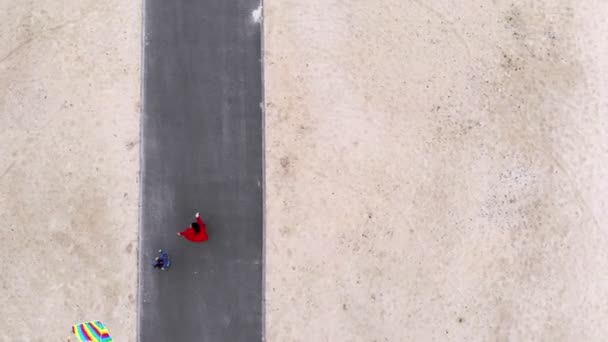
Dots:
{"x": 105, "y": 337}
{"x": 81, "y": 333}
{"x": 94, "y": 330}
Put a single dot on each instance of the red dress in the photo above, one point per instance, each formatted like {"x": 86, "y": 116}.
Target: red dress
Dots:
{"x": 192, "y": 235}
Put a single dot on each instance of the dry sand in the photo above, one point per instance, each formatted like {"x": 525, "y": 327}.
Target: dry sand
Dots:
{"x": 69, "y": 161}
{"x": 436, "y": 170}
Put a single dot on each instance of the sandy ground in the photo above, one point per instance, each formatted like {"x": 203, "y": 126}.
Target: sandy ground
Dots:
{"x": 69, "y": 161}
{"x": 436, "y": 170}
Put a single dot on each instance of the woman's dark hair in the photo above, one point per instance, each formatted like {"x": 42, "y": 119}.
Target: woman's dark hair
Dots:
{"x": 159, "y": 263}
{"x": 196, "y": 227}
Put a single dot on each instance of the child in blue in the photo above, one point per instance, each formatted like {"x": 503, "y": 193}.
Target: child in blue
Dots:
{"x": 162, "y": 261}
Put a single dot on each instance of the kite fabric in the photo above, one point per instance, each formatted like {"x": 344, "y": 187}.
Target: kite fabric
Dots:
{"x": 91, "y": 332}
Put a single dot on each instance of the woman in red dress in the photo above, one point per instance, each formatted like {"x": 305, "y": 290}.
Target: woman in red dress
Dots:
{"x": 197, "y": 232}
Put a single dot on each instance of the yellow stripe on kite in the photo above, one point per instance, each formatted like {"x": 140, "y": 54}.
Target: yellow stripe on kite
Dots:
{"x": 90, "y": 332}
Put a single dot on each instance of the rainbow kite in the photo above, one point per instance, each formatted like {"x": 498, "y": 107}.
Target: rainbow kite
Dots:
{"x": 91, "y": 332}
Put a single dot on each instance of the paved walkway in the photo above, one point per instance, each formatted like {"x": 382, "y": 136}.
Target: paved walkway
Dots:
{"x": 202, "y": 151}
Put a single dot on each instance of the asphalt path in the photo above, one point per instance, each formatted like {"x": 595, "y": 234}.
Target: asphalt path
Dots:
{"x": 202, "y": 151}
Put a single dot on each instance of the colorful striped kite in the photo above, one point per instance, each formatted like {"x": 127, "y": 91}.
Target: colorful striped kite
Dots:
{"x": 91, "y": 332}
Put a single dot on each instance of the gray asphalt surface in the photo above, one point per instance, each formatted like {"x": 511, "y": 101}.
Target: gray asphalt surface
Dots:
{"x": 202, "y": 151}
